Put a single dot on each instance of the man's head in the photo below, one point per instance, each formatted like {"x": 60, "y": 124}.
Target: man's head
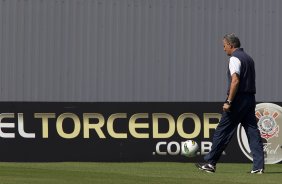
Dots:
{"x": 230, "y": 43}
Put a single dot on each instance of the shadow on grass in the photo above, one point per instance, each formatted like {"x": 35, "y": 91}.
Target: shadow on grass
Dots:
{"x": 272, "y": 172}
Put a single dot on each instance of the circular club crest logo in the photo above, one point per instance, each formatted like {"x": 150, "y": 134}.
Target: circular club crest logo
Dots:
{"x": 269, "y": 118}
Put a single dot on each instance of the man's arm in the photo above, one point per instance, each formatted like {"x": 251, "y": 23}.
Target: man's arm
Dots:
{"x": 235, "y": 80}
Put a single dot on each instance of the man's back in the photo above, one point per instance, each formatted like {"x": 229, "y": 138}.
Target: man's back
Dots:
{"x": 247, "y": 72}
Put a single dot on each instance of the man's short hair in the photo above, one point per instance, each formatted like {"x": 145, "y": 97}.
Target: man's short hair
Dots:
{"x": 233, "y": 40}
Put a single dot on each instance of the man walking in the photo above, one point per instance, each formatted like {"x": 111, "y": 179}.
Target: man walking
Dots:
{"x": 239, "y": 107}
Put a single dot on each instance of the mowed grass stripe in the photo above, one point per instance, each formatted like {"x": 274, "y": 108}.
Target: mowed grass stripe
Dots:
{"x": 136, "y": 173}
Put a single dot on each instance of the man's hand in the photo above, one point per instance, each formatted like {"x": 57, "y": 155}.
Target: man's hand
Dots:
{"x": 226, "y": 107}
{"x": 235, "y": 80}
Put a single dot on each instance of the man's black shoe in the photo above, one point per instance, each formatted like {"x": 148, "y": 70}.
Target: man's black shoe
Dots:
{"x": 258, "y": 171}
{"x": 206, "y": 167}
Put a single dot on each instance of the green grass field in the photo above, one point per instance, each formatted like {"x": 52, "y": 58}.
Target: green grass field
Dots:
{"x": 132, "y": 173}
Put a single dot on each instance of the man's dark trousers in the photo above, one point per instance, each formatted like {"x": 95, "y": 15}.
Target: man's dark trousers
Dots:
{"x": 242, "y": 111}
